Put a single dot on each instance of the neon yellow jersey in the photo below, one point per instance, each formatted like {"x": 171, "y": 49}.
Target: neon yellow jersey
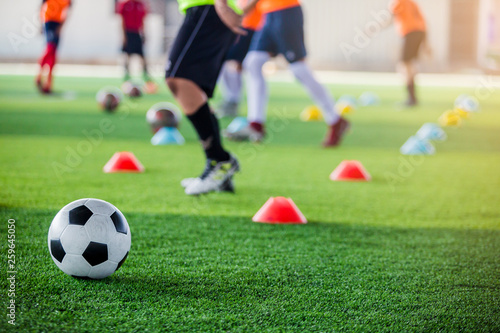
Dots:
{"x": 185, "y": 4}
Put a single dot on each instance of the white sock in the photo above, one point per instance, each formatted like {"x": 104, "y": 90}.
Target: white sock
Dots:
{"x": 318, "y": 92}
{"x": 230, "y": 80}
{"x": 257, "y": 94}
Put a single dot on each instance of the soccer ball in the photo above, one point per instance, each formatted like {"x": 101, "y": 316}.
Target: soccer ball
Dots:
{"x": 163, "y": 115}
{"x": 131, "y": 89}
{"x": 109, "y": 98}
{"x": 89, "y": 238}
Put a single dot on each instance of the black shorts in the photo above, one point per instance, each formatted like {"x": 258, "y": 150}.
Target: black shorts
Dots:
{"x": 134, "y": 43}
{"x": 411, "y": 46}
{"x": 200, "y": 48}
{"x": 238, "y": 51}
{"x": 52, "y": 32}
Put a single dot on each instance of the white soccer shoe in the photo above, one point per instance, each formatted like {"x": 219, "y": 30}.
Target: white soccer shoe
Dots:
{"x": 216, "y": 174}
{"x": 227, "y": 186}
{"x": 247, "y": 133}
{"x": 227, "y": 109}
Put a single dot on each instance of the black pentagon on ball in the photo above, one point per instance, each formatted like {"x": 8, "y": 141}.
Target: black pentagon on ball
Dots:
{"x": 119, "y": 223}
{"x": 80, "y": 215}
{"x": 57, "y": 249}
{"x": 121, "y": 262}
{"x": 96, "y": 253}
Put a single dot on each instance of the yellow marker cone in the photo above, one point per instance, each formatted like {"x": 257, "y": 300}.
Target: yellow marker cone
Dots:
{"x": 462, "y": 113}
{"x": 311, "y": 113}
{"x": 450, "y": 118}
{"x": 345, "y": 108}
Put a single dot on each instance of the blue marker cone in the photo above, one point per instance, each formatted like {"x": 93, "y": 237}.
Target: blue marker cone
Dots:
{"x": 347, "y": 99}
{"x": 368, "y": 99}
{"x": 167, "y": 136}
{"x": 237, "y": 124}
{"x": 417, "y": 146}
{"x": 430, "y": 131}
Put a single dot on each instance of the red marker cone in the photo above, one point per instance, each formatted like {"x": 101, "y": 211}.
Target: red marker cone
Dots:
{"x": 123, "y": 162}
{"x": 350, "y": 171}
{"x": 279, "y": 210}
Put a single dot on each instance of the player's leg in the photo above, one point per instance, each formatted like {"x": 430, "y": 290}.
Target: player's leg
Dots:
{"x": 408, "y": 69}
{"x": 140, "y": 52}
{"x": 231, "y": 76}
{"x": 262, "y": 46}
{"x": 48, "y": 60}
{"x": 145, "y": 71}
{"x": 126, "y": 66}
{"x": 193, "y": 68}
{"x": 257, "y": 90}
{"x": 231, "y": 85}
{"x": 194, "y": 103}
{"x": 292, "y": 46}
{"x": 126, "y": 51}
{"x": 411, "y": 47}
{"x": 319, "y": 94}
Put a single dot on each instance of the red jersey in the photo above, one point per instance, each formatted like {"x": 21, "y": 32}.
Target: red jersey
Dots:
{"x": 133, "y": 13}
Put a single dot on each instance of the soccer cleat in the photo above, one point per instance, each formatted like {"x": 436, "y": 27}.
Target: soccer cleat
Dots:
{"x": 46, "y": 90}
{"x": 227, "y": 109}
{"x": 336, "y": 132}
{"x": 248, "y": 133}
{"x": 214, "y": 176}
{"x": 227, "y": 186}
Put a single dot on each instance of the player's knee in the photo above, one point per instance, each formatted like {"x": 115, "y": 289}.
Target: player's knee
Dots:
{"x": 300, "y": 70}
{"x": 172, "y": 85}
{"x": 254, "y": 61}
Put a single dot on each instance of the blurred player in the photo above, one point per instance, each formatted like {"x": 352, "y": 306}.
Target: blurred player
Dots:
{"x": 133, "y": 13}
{"x": 283, "y": 33}
{"x": 231, "y": 76}
{"x": 192, "y": 70}
{"x": 53, "y": 15}
{"x": 412, "y": 27}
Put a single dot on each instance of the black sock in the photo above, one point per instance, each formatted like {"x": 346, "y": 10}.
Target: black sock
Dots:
{"x": 207, "y": 127}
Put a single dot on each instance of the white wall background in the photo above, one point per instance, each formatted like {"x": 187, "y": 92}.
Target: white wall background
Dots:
{"x": 92, "y": 33}
{"x": 344, "y": 18}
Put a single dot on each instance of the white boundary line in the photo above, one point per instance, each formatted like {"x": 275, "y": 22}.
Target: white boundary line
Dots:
{"x": 326, "y": 77}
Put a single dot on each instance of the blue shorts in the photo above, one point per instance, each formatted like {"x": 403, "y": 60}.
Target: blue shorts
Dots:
{"x": 52, "y": 32}
{"x": 200, "y": 48}
{"x": 239, "y": 50}
{"x": 283, "y": 33}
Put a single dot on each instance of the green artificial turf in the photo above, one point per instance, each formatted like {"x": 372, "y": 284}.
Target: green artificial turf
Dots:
{"x": 416, "y": 249}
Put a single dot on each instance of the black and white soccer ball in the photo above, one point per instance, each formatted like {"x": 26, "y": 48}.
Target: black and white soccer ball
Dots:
{"x": 132, "y": 89}
{"x": 89, "y": 238}
{"x": 163, "y": 114}
{"x": 109, "y": 98}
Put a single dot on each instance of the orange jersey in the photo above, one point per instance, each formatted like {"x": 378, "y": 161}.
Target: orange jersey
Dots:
{"x": 55, "y": 10}
{"x": 253, "y": 19}
{"x": 408, "y": 17}
{"x": 268, "y": 6}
